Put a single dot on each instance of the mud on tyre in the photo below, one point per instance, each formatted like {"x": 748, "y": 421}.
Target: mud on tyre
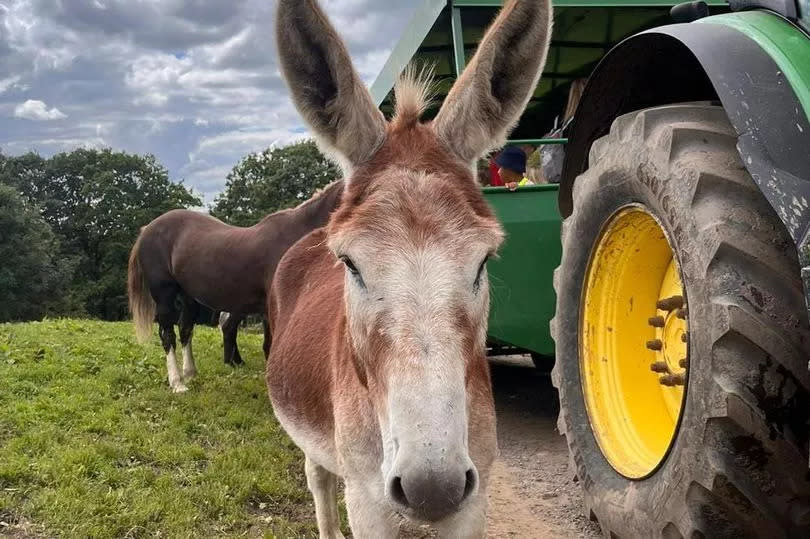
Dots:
{"x": 733, "y": 462}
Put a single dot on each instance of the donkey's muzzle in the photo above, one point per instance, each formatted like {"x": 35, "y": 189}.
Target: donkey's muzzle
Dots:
{"x": 432, "y": 495}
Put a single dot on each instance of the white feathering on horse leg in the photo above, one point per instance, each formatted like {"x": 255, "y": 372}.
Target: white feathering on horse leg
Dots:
{"x": 223, "y": 317}
{"x": 175, "y": 381}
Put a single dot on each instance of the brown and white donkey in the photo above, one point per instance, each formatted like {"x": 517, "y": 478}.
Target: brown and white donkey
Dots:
{"x": 377, "y": 368}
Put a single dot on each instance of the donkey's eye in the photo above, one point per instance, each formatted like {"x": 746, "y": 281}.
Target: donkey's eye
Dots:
{"x": 352, "y": 270}
{"x": 349, "y": 265}
{"x": 481, "y": 268}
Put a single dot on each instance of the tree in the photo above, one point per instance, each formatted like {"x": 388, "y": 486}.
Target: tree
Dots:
{"x": 96, "y": 201}
{"x": 32, "y": 275}
{"x": 272, "y": 180}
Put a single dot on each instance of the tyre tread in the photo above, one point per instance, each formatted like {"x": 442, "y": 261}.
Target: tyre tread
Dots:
{"x": 748, "y": 248}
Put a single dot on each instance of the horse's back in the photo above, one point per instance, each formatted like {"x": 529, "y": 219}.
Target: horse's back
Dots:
{"x": 179, "y": 220}
{"x": 157, "y": 242}
{"x": 169, "y": 226}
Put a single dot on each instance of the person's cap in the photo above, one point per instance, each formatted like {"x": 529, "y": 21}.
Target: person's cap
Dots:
{"x": 512, "y": 158}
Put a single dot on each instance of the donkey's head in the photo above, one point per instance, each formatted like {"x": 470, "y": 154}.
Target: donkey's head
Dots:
{"x": 414, "y": 234}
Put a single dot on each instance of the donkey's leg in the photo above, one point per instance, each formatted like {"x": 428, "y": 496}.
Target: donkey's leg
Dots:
{"x": 370, "y": 517}
{"x": 229, "y": 330}
{"x": 469, "y": 523}
{"x": 167, "y": 316}
{"x": 323, "y": 485}
{"x": 190, "y": 311}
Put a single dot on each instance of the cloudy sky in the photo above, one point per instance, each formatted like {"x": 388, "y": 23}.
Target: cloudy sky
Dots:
{"x": 194, "y": 82}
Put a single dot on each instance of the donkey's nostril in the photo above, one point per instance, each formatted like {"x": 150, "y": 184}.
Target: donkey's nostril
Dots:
{"x": 432, "y": 494}
{"x": 472, "y": 482}
{"x": 397, "y": 493}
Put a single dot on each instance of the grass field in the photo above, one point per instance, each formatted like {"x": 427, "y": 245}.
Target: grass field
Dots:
{"x": 93, "y": 443}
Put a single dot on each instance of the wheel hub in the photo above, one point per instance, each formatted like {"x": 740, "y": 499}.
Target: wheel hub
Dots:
{"x": 670, "y": 344}
{"x": 634, "y": 343}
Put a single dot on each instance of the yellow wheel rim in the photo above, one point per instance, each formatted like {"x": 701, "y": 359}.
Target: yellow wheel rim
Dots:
{"x": 633, "y": 343}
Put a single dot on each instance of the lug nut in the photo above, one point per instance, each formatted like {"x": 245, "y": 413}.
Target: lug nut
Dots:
{"x": 655, "y": 345}
{"x": 670, "y": 304}
{"x": 657, "y": 321}
{"x": 672, "y": 380}
{"x": 682, "y": 313}
{"x": 685, "y": 337}
{"x": 684, "y": 363}
{"x": 660, "y": 367}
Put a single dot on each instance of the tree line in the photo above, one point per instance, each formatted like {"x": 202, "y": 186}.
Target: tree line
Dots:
{"x": 68, "y": 222}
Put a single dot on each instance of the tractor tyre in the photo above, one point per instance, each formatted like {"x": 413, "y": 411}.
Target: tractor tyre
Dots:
{"x": 682, "y": 337}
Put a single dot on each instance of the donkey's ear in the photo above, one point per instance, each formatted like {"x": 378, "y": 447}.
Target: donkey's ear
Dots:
{"x": 325, "y": 88}
{"x": 489, "y": 97}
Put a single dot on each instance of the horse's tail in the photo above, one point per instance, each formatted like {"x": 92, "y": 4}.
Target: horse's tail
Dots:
{"x": 141, "y": 304}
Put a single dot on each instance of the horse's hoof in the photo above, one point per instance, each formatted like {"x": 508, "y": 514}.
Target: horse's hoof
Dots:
{"x": 179, "y": 388}
{"x": 189, "y": 374}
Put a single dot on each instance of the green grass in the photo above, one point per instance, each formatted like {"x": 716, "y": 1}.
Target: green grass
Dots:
{"x": 93, "y": 443}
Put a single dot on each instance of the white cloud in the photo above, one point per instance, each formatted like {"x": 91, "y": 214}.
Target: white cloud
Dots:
{"x": 54, "y": 145}
{"x": 33, "y": 109}
{"x": 195, "y": 83}
{"x": 246, "y": 141}
{"x": 8, "y": 83}
{"x": 154, "y": 99}
{"x": 204, "y": 169}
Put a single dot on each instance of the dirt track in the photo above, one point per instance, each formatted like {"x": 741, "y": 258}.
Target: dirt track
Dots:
{"x": 532, "y": 493}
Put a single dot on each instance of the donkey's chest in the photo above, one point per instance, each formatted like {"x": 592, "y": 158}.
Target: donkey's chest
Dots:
{"x": 316, "y": 441}
{"x": 358, "y": 439}
{"x": 340, "y": 434}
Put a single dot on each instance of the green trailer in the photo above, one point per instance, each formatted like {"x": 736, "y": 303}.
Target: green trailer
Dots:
{"x": 520, "y": 278}
{"x": 668, "y": 273}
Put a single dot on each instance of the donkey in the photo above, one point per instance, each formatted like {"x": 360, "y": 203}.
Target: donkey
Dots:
{"x": 204, "y": 261}
{"x": 377, "y": 369}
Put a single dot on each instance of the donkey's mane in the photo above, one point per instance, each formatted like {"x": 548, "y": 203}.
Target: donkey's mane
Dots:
{"x": 413, "y": 93}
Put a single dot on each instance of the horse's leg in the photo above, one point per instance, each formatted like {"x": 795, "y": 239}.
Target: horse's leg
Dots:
{"x": 167, "y": 318}
{"x": 370, "y": 516}
{"x": 229, "y": 330}
{"x": 190, "y": 311}
{"x": 237, "y": 357}
{"x": 323, "y": 485}
{"x": 268, "y": 339}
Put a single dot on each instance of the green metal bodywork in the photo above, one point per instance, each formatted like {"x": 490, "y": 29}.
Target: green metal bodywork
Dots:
{"x": 783, "y": 42}
{"x": 522, "y": 298}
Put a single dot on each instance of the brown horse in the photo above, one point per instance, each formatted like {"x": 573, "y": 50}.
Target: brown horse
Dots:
{"x": 204, "y": 261}
{"x": 377, "y": 368}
